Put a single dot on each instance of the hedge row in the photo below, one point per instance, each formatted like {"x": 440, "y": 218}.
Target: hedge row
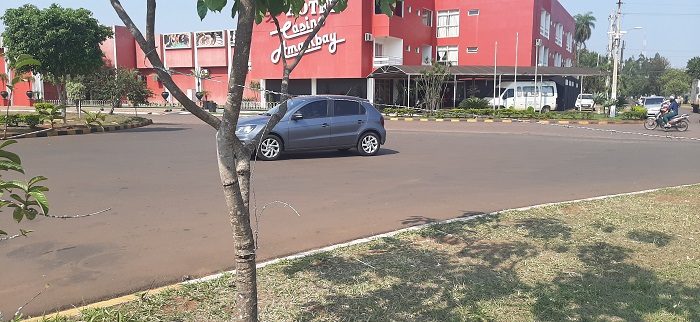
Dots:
{"x": 636, "y": 113}
{"x": 31, "y": 120}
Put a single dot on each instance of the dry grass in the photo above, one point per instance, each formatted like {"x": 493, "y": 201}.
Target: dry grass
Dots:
{"x": 631, "y": 258}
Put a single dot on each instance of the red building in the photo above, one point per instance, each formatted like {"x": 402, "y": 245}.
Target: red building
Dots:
{"x": 357, "y": 41}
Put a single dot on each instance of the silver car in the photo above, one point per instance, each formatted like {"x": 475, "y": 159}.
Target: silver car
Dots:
{"x": 652, "y": 104}
{"x": 318, "y": 122}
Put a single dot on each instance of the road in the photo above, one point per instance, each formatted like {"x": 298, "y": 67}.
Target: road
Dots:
{"x": 168, "y": 217}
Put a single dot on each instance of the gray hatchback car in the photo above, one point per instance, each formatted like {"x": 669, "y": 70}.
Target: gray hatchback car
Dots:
{"x": 319, "y": 122}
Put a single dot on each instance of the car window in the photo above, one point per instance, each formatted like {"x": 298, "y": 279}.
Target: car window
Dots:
{"x": 653, "y": 101}
{"x": 345, "y": 107}
{"x": 548, "y": 91}
{"x": 314, "y": 110}
{"x": 586, "y": 97}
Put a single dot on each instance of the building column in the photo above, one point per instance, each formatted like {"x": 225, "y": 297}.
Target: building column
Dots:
{"x": 314, "y": 86}
{"x": 370, "y": 89}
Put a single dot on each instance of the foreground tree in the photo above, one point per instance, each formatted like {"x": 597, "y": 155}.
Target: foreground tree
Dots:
{"x": 233, "y": 155}
{"x": 66, "y": 41}
{"x": 15, "y": 64}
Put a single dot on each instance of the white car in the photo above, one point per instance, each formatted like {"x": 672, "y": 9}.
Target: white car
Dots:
{"x": 584, "y": 102}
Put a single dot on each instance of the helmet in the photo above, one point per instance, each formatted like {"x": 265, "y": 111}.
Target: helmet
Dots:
{"x": 671, "y": 97}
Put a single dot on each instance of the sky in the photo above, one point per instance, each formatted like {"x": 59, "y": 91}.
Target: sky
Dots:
{"x": 669, "y": 27}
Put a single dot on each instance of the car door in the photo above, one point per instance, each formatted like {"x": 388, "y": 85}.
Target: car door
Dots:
{"x": 349, "y": 118}
{"x": 310, "y": 126}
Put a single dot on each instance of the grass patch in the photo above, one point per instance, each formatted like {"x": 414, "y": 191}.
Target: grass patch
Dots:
{"x": 629, "y": 258}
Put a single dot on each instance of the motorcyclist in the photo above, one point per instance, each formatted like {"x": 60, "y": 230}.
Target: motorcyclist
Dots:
{"x": 672, "y": 111}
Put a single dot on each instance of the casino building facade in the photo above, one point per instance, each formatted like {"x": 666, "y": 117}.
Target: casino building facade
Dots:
{"x": 353, "y": 44}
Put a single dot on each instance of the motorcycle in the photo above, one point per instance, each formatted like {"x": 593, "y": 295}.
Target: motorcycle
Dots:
{"x": 679, "y": 122}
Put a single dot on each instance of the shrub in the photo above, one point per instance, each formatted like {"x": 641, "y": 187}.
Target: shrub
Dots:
{"x": 474, "y": 102}
{"x": 32, "y": 120}
{"x": 635, "y": 113}
{"x": 11, "y": 119}
{"x": 49, "y": 112}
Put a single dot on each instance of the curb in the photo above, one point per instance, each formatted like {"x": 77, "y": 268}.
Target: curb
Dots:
{"x": 475, "y": 120}
{"x": 92, "y": 129}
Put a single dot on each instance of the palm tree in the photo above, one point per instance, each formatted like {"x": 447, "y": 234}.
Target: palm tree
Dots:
{"x": 584, "y": 28}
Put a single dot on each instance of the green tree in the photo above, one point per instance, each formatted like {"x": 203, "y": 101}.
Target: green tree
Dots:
{"x": 675, "y": 82}
{"x": 431, "y": 83}
{"x": 76, "y": 91}
{"x": 66, "y": 41}
{"x": 584, "y": 29}
{"x": 115, "y": 84}
{"x": 592, "y": 59}
{"x": 693, "y": 68}
{"x": 233, "y": 155}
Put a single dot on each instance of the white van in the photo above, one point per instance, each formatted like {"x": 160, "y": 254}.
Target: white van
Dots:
{"x": 543, "y": 98}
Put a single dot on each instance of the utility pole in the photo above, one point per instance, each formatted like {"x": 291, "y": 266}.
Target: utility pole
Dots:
{"x": 609, "y": 49}
{"x": 616, "y": 49}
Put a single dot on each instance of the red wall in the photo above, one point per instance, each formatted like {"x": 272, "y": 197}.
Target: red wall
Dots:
{"x": 489, "y": 27}
{"x": 343, "y": 32}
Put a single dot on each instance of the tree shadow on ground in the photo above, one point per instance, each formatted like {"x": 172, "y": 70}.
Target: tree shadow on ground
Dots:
{"x": 456, "y": 272}
{"x": 403, "y": 281}
{"x": 612, "y": 289}
{"x": 657, "y": 238}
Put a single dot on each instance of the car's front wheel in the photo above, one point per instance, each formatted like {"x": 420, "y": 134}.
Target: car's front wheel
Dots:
{"x": 368, "y": 144}
{"x": 270, "y": 148}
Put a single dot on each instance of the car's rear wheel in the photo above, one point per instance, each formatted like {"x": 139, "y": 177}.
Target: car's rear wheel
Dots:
{"x": 368, "y": 144}
{"x": 545, "y": 109}
{"x": 270, "y": 148}
{"x": 650, "y": 123}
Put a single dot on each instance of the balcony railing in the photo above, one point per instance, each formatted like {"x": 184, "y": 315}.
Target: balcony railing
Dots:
{"x": 380, "y": 61}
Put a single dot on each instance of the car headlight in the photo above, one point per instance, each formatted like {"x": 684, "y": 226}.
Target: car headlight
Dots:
{"x": 245, "y": 129}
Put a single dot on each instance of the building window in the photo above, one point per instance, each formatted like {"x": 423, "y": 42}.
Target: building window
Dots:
{"x": 417, "y": 50}
{"x": 545, "y": 19}
{"x": 408, "y": 48}
{"x": 378, "y": 49}
{"x": 473, "y": 12}
{"x": 398, "y": 10}
{"x": 559, "y": 33}
{"x": 569, "y": 41}
{"x": 427, "y": 17}
{"x": 447, "y": 54}
{"x": 409, "y": 9}
{"x": 448, "y": 23}
{"x": 472, "y": 50}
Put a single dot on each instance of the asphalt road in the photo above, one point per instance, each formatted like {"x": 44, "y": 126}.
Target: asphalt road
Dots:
{"x": 168, "y": 217}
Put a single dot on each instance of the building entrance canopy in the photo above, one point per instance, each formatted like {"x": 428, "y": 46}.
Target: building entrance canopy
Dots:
{"x": 394, "y": 85}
